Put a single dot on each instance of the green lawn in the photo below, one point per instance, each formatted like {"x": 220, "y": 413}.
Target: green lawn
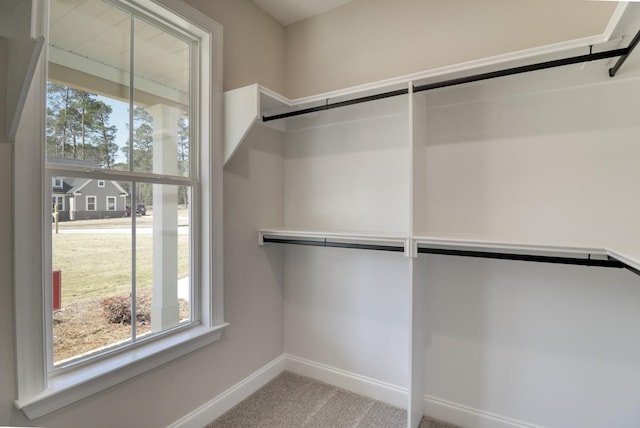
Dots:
{"x": 95, "y": 266}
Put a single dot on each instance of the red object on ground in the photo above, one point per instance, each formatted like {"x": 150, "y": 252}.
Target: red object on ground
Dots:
{"x": 57, "y": 282}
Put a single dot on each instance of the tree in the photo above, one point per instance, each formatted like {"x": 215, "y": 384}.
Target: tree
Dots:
{"x": 105, "y": 135}
{"x": 78, "y": 126}
{"x": 142, "y": 145}
{"x": 60, "y": 100}
{"x": 183, "y": 158}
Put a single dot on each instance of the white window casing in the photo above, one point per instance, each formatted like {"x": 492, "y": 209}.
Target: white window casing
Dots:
{"x": 41, "y": 390}
{"x": 111, "y": 203}
{"x": 92, "y": 203}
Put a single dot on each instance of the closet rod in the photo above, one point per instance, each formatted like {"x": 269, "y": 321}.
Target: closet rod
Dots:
{"x": 613, "y": 70}
{"x": 328, "y": 106}
{"x": 623, "y": 53}
{"x": 524, "y": 69}
{"x": 325, "y": 243}
{"x": 626, "y": 266}
{"x": 610, "y": 262}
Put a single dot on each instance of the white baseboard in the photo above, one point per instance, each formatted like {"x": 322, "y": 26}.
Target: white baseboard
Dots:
{"x": 211, "y": 410}
{"x": 372, "y": 388}
{"x": 468, "y": 416}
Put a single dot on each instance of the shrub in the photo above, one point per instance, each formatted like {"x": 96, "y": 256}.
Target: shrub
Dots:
{"x": 117, "y": 309}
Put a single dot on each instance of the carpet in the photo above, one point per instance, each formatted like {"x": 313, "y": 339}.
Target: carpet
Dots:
{"x": 293, "y": 401}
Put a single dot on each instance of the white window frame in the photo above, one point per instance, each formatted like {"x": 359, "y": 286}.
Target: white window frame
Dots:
{"x": 55, "y": 199}
{"x": 101, "y": 183}
{"x": 40, "y": 392}
{"x": 95, "y": 203}
{"x": 57, "y": 183}
{"x": 115, "y": 203}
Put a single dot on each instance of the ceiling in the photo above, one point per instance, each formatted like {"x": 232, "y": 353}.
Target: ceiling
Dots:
{"x": 289, "y": 12}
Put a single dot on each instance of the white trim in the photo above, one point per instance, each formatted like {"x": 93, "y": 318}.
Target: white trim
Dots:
{"x": 223, "y": 402}
{"x": 462, "y": 415}
{"x": 101, "y": 183}
{"x": 372, "y": 388}
{"x": 95, "y": 203}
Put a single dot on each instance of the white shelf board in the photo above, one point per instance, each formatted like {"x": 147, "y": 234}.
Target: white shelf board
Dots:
{"x": 243, "y": 108}
{"x": 486, "y": 243}
{"x": 343, "y": 237}
{"x": 626, "y": 252}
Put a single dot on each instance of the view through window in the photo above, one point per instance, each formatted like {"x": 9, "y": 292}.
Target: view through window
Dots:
{"x": 120, "y": 157}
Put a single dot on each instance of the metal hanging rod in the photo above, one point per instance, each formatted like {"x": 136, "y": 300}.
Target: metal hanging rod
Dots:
{"x": 524, "y": 69}
{"x": 626, "y": 266}
{"x": 623, "y": 53}
{"x": 325, "y": 243}
{"x": 613, "y": 70}
{"x": 329, "y": 106}
{"x": 609, "y": 262}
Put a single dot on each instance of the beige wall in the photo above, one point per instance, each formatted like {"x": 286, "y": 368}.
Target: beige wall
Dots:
{"x": 253, "y": 43}
{"x": 371, "y": 40}
{"x": 6, "y": 307}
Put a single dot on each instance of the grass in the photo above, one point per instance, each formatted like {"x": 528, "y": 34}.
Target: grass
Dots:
{"x": 95, "y": 266}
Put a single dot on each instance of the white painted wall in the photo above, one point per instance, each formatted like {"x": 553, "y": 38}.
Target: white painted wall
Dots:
{"x": 346, "y": 169}
{"x": 548, "y": 156}
{"x": 347, "y": 309}
{"x": 547, "y": 345}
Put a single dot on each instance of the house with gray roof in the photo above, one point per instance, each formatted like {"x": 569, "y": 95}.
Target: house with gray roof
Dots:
{"x": 81, "y": 198}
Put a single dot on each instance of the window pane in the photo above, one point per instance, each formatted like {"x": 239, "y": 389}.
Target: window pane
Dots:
{"x": 88, "y": 88}
{"x": 91, "y": 260}
{"x": 163, "y": 259}
{"x": 161, "y": 97}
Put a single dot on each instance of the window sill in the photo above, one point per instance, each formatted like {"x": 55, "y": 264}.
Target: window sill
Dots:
{"x": 73, "y": 385}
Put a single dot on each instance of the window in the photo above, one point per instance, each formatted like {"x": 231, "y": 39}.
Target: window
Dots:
{"x": 58, "y": 202}
{"x": 111, "y": 203}
{"x": 100, "y": 183}
{"x": 57, "y": 183}
{"x": 91, "y": 203}
{"x": 151, "y": 91}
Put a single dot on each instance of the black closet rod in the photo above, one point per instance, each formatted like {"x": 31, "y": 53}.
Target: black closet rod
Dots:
{"x": 613, "y": 70}
{"x": 329, "y": 106}
{"x": 623, "y": 53}
{"x": 524, "y": 69}
{"x": 325, "y": 243}
{"x": 609, "y": 262}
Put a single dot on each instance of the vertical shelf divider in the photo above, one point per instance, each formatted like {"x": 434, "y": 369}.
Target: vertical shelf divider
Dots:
{"x": 416, "y": 281}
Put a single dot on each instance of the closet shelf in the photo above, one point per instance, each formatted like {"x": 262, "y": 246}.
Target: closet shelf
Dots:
{"x": 338, "y": 239}
{"x": 614, "y": 255}
{"x": 618, "y": 255}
